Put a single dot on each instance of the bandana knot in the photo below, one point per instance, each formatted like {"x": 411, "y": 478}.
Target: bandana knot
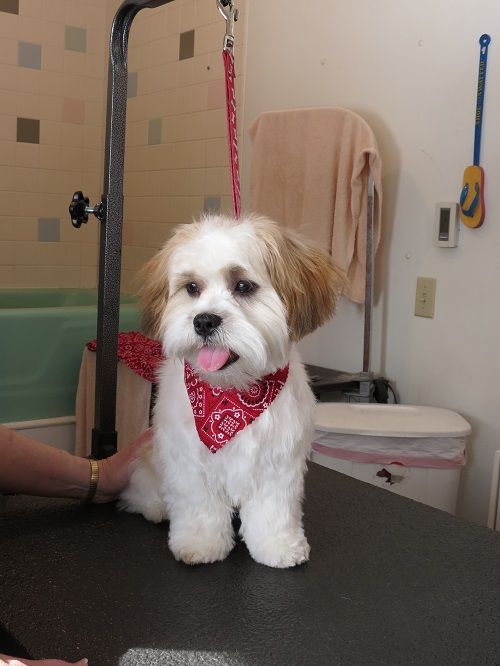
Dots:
{"x": 220, "y": 414}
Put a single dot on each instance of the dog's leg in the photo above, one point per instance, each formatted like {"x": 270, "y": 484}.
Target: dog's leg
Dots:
{"x": 271, "y": 523}
{"x": 142, "y": 494}
{"x": 200, "y": 526}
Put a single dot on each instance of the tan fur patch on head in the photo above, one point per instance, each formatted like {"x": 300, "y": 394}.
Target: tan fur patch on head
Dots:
{"x": 153, "y": 281}
{"x": 153, "y": 292}
{"x": 304, "y": 276}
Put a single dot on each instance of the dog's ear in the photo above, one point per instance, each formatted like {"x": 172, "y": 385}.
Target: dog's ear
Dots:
{"x": 304, "y": 276}
{"x": 153, "y": 291}
{"x": 152, "y": 279}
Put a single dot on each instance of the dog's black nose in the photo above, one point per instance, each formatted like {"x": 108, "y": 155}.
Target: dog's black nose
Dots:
{"x": 206, "y": 323}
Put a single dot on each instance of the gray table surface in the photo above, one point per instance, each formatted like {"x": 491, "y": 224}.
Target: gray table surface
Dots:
{"x": 390, "y": 581}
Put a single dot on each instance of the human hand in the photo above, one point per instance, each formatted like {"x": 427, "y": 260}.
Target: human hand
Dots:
{"x": 114, "y": 472}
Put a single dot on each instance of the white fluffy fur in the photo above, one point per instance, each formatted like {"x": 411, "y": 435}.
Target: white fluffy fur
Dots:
{"x": 260, "y": 472}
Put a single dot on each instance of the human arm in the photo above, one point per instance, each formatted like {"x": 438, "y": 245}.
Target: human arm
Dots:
{"x": 31, "y": 467}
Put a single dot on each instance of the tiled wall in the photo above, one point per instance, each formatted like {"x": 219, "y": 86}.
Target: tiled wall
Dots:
{"x": 52, "y": 82}
{"x": 53, "y": 70}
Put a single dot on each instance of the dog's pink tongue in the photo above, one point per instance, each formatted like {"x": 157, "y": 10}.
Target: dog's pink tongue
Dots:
{"x": 212, "y": 358}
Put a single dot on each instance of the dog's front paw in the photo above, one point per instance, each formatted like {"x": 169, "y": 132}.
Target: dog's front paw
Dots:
{"x": 282, "y": 550}
{"x": 200, "y": 549}
{"x": 152, "y": 508}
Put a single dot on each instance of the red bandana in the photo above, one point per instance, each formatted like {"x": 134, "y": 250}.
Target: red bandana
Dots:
{"x": 221, "y": 414}
{"x": 141, "y": 354}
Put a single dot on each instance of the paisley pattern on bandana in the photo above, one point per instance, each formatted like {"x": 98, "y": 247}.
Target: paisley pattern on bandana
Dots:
{"x": 220, "y": 414}
{"x": 141, "y": 354}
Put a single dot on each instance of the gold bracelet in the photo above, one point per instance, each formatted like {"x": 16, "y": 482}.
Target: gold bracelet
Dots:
{"x": 94, "y": 478}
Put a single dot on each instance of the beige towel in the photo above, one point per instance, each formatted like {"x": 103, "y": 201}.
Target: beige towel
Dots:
{"x": 309, "y": 172}
{"x": 133, "y": 396}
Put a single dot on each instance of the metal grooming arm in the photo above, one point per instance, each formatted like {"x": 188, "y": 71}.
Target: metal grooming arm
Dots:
{"x": 110, "y": 213}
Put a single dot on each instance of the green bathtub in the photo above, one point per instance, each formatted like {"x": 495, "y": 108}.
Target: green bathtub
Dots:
{"x": 42, "y": 336}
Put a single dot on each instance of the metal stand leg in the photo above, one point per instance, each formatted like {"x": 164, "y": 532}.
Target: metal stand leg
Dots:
{"x": 370, "y": 260}
{"x": 365, "y": 386}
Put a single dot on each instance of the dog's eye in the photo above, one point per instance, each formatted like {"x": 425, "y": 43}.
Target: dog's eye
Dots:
{"x": 244, "y": 287}
{"x": 192, "y": 288}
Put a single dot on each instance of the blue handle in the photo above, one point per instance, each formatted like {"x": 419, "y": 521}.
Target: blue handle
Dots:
{"x": 484, "y": 40}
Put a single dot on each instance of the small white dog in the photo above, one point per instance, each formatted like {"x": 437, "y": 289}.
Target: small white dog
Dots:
{"x": 234, "y": 414}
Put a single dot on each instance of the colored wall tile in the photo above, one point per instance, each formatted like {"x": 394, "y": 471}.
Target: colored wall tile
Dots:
{"x": 9, "y": 6}
{"x": 186, "y": 45}
{"x": 154, "y": 131}
{"x": 29, "y": 55}
{"x": 75, "y": 39}
{"x": 49, "y": 229}
{"x": 132, "y": 84}
{"x": 73, "y": 111}
{"x": 28, "y": 130}
{"x": 211, "y": 204}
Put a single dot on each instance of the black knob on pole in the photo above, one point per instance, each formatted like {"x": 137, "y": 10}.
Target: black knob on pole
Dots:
{"x": 78, "y": 209}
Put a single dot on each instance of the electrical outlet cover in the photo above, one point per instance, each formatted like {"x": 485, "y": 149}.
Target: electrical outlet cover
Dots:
{"x": 425, "y": 297}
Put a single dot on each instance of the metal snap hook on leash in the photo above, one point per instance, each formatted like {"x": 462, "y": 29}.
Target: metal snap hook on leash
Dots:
{"x": 230, "y": 13}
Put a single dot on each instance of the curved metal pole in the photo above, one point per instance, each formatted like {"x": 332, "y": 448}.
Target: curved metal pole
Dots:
{"x": 104, "y": 436}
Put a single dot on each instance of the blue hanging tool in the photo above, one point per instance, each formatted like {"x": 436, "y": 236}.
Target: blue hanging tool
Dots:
{"x": 472, "y": 196}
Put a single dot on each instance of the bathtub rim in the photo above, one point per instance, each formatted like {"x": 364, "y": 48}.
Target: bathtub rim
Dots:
{"x": 126, "y": 299}
{"x": 41, "y": 423}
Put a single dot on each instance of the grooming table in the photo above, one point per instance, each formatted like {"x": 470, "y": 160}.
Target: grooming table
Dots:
{"x": 390, "y": 581}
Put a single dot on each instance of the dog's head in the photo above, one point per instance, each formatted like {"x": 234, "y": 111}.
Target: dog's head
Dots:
{"x": 230, "y": 296}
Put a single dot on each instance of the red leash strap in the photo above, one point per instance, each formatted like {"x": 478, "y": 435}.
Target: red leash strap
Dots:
{"x": 230, "y": 14}
{"x": 232, "y": 135}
